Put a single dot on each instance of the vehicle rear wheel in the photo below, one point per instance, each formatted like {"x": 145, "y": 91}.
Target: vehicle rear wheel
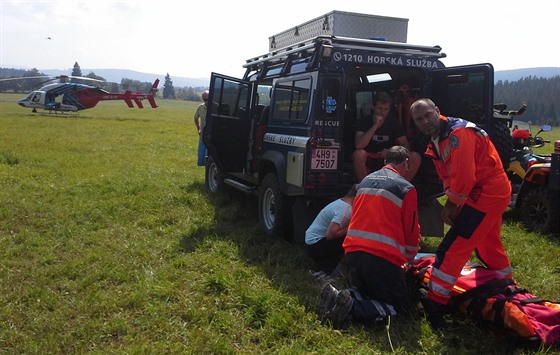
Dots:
{"x": 213, "y": 176}
{"x": 540, "y": 210}
{"x": 274, "y": 208}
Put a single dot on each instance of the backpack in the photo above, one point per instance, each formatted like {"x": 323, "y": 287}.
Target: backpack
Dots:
{"x": 497, "y": 303}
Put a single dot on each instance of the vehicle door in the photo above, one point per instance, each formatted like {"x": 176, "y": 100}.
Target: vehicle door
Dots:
{"x": 466, "y": 92}
{"x": 228, "y": 124}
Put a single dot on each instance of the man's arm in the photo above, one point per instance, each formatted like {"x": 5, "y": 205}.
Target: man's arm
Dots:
{"x": 335, "y": 231}
{"x": 461, "y": 165}
{"x": 363, "y": 138}
{"x": 197, "y": 120}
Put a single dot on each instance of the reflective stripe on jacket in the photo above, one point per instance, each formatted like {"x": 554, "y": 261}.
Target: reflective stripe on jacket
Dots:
{"x": 384, "y": 218}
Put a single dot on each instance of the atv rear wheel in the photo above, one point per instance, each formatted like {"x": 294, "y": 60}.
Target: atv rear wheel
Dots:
{"x": 540, "y": 210}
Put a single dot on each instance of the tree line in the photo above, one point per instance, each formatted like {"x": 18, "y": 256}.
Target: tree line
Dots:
{"x": 539, "y": 94}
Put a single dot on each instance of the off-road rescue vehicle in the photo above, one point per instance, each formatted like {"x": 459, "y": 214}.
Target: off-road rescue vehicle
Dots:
{"x": 285, "y": 131}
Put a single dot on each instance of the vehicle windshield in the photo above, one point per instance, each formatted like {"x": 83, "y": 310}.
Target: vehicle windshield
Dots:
{"x": 520, "y": 125}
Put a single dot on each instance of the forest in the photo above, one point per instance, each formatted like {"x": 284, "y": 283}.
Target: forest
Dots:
{"x": 541, "y": 95}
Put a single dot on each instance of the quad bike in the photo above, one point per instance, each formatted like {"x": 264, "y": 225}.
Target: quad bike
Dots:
{"x": 523, "y": 156}
{"x": 535, "y": 183}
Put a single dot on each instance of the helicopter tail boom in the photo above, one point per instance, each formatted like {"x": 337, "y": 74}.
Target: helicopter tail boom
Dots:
{"x": 153, "y": 91}
{"x": 129, "y": 97}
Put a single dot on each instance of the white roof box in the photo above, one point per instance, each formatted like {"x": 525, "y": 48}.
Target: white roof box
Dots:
{"x": 343, "y": 24}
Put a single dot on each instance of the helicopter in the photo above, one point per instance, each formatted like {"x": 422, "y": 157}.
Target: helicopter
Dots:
{"x": 77, "y": 97}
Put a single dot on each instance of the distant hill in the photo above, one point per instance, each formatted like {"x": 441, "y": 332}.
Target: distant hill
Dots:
{"x": 517, "y": 74}
{"x": 116, "y": 75}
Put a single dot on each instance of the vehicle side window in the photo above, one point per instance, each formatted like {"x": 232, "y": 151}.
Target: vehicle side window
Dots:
{"x": 230, "y": 99}
{"x": 264, "y": 91}
{"x": 291, "y": 100}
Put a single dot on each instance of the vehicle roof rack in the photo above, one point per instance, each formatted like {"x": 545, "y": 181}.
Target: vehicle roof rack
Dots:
{"x": 307, "y": 47}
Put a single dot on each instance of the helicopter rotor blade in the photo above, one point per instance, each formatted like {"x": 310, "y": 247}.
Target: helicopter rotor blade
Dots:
{"x": 86, "y": 78}
{"x": 26, "y": 78}
{"x": 53, "y": 77}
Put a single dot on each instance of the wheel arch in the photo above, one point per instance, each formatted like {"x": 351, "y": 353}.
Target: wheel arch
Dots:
{"x": 274, "y": 161}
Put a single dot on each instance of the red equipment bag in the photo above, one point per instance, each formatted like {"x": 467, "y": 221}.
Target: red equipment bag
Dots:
{"x": 497, "y": 302}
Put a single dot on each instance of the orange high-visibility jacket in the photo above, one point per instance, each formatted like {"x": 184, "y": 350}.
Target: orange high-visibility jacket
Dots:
{"x": 468, "y": 164}
{"x": 385, "y": 218}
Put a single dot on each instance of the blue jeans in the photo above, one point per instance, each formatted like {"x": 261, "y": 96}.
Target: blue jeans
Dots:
{"x": 202, "y": 153}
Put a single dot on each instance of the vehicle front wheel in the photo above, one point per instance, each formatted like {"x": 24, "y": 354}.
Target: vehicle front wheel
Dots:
{"x": 540, "y": 210}
{"x": 274, "y": 208}
{"x": 213, "y": 177}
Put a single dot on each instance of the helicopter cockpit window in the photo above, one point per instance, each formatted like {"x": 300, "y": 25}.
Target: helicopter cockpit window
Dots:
{"x": 37, "y": 97}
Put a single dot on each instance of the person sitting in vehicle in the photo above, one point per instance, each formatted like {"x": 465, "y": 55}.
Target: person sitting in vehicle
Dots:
{"x": 404, "y": 98}
{"x": 377, "y": 133}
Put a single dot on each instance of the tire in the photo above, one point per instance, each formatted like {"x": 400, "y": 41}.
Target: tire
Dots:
{"x": 501, "y": 137}
{"x": 540, "y": 210}
{"x": 275, "y": 214}
{"x": 213, "y": 176}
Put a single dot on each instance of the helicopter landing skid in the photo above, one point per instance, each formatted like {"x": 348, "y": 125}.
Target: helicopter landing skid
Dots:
{"x": 56, "y": 113}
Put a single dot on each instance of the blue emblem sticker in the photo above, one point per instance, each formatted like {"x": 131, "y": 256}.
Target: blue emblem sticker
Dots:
{"x": 454, "y": 141}
{"x": 329, "y": 104}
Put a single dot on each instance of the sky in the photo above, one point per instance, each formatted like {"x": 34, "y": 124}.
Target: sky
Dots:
{"x": 194, "y": 38}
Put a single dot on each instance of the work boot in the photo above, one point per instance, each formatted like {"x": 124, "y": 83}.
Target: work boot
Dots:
{"x": 328, "y": 299}
{"x": 339, "y": 313}
{"x": 434, "y": 314}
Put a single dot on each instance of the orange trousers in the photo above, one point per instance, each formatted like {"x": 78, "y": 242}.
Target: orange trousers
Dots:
{"x": 473, "y": 230}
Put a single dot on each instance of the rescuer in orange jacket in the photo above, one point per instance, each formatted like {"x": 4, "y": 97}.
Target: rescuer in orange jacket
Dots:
{"x": 478, "y": 192}
{"x": 384, "y": 234}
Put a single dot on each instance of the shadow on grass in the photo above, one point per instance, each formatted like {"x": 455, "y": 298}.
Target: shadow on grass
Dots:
{"x": 284, "y": 263}
{"x": 190, "y": 241}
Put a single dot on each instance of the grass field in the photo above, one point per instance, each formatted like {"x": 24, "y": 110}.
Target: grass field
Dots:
{"x": 110, "y": 244}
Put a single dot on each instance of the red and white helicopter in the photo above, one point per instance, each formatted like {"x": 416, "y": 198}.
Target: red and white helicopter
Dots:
{"x": 67, "y": 96}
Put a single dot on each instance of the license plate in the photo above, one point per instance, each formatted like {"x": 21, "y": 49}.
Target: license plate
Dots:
{"x": 324, "y": 159}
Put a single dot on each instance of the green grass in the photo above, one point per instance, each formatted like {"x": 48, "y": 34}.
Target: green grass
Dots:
{"x": 110, "y": 244}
